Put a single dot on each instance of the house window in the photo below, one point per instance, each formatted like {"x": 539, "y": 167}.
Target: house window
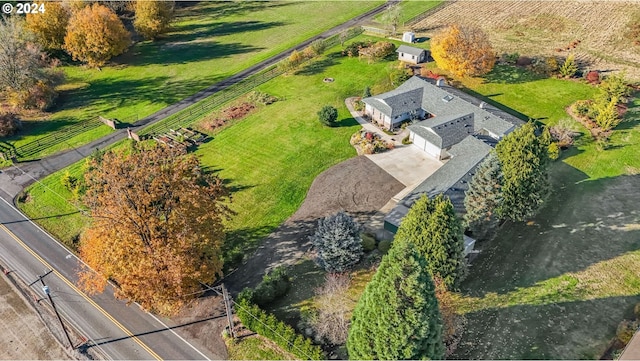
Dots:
{"x": 402, "y": 54}
{"x": 413, "y": 57}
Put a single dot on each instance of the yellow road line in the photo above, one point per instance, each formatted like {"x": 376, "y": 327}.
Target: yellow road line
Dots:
{"x": 125, "y": 330}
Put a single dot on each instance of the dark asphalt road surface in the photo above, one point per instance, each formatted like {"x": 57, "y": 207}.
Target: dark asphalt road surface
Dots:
{"x": 117, "y": 330}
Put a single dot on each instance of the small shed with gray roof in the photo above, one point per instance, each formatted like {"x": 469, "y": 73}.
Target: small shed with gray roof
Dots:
{"x": 412, "y": 55}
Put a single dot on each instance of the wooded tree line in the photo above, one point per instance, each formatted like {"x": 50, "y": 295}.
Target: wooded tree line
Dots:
{"x": 90, "y": 32}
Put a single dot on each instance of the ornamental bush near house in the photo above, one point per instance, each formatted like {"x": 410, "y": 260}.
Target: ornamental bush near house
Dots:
{"x": 368, "y": 242}
{"x": 262, "y": 323}
{"x": 384, "y": 246}
{"x": 337, "y": 242}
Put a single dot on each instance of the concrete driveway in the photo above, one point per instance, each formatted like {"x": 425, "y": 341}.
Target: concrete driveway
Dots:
{"x": 407, "y": 164}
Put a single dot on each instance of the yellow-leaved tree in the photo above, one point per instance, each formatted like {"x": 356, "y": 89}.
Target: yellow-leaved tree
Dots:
{"x": 463, "y": 50}
{"x": 50, "y": 26}
{"x": 157, "y": 226}
{"x": 95, "y": 34}
{"x": 153, "y": 17}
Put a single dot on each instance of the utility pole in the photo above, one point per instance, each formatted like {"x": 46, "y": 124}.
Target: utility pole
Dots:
{"x": 222, "y": 291}
{"x": 47, "y": 292}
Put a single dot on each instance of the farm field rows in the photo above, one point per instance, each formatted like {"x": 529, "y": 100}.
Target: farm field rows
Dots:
{"x": 534, "y": 28}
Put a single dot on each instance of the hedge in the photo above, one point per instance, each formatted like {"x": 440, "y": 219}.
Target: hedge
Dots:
{"x": 267, "y": 325}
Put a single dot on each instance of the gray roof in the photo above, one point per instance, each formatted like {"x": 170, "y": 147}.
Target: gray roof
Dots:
{"x": 409, "y": 50}
{"x": 445, "y": 131}
{"x": 452, "y": 178}
{"x": 397, "y": 102}
{"x": 445, "y": 101}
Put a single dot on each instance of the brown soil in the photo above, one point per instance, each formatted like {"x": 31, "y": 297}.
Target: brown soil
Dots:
{"x": 357, "y": 186}
{"x": 23, "y": 335}
{"x": 592, "y": 30}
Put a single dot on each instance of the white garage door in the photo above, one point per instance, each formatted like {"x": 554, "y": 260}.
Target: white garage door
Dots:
{"x": 425, "y": 146}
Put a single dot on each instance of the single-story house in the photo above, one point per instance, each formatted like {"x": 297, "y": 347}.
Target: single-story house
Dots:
{"x": 456, "y": 127}
{"x": 412, "y": 55}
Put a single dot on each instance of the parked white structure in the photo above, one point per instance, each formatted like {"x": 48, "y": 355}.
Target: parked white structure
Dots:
{"x": 412, "y": 55}
{"x": 408, "y": 37}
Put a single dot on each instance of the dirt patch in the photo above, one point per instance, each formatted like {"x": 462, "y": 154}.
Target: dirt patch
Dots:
{"x": 543, "y": 27}
{"x": 220, "y": 118}
{"x": 202, "y": 323}
{"x": 357, "y": 186}
{"x": 23, "y": 336}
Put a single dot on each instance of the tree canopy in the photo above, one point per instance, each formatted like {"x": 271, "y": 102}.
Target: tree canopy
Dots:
{"x": 435, "y": 230}
{"x": 328, "y": 115}
{"x": 463, "y": 50}
{"x": 25, "y": 75}
{"x": 153, "y": 17}
{"x": 483, "y": 198}
{"x": 157, "y": 226}
{"x": 95, "y": 34}
{"x": 524, "y": 159}
{"x": 397, "y": 316}
{"x": 49, "y": 27}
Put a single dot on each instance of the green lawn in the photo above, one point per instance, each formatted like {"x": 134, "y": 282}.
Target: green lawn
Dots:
{"x": 255, "y": 347}
{"x": 54, "y": 207}
{"x": 209, "y": 42}
{"x": 272, "y": 156}
{"x": 269, "y": 158}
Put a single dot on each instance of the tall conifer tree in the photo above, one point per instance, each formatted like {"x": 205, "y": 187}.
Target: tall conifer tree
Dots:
{"x": 397, "y": 317}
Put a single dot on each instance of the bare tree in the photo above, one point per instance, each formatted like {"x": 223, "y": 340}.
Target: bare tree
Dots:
{"x": 391, "y": 17}
{"x": 20, "y": 61}
{"x": 334, "y": 308}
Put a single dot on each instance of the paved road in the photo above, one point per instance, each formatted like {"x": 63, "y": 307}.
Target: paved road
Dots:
{"x": 118, "y": 330}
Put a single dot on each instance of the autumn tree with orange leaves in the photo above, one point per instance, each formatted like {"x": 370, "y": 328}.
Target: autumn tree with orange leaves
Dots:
{"x": 463, "y": 50}
{"x": 95, "y": 34}
{"x": 50, "y": 26}
{"x": 157, "y": 227}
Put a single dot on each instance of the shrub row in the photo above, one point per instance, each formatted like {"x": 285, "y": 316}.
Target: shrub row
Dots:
{"x": 274, "y": 285}
{"x": 267, "y": 325}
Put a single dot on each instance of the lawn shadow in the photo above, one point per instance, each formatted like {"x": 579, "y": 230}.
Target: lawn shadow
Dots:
{"x": 346, "y": 122}
{"x": 316, "y": 67}
{"x": 573, "y": 329}
{"x": 38, "y": 127}
{"x": 181, "y": 52}
{"x": 566, "y": 236}
{"x": 510, "y": 74}
{"x": 109, "y": 94}
{"x": 306, "y": 276}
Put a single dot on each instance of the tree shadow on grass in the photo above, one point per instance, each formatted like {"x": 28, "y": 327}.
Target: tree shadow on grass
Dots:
{"x": 575, "y": 230}
{"x": 319, "y": 66}
{"x": 510, "y": 74}
{"x": 346, "y": 122}
{"x": 182, "y": 52}
{"x": 565, "y": 329}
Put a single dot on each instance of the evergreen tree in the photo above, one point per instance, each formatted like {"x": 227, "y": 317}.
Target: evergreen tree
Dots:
{"x": 338, "y": 243}
{"x": 397, "y": 317}
{"x": 432, "y": 225}
{"x": 524, "y": 158}
{"x": 483, "y": 197}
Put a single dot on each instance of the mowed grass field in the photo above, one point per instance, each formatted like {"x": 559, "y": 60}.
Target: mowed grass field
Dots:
{"x": 269, "y": 159}
{"x": 209, "y": 41}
